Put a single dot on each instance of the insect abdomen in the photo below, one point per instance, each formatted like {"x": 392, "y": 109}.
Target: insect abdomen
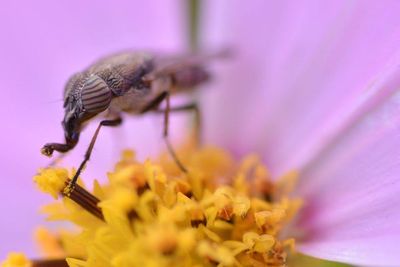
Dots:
{"x": 189, "y": 77}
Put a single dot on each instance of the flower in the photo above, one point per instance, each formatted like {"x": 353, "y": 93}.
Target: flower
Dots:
{"x": 150, "y": 214}
{"x": 313, "y": 89}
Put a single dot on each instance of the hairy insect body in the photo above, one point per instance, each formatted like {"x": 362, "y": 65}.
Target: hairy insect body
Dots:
{"x": 123, "y": 71}
{"x": 130, "y": 82}
{"x": 133, "y": 101}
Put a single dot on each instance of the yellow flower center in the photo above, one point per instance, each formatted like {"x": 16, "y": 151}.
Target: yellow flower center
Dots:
{"x": 220, "y": 213}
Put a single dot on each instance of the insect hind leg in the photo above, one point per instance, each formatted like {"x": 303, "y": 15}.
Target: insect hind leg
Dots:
{"x": 153, "y": 106}
{"x": 197, "y": 119}
{"x": 166, "y": 136}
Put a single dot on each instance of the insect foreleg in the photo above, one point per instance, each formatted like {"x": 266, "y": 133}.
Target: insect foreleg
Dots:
{"x": 48, "y": 149}
{"x": 111, "y": 123}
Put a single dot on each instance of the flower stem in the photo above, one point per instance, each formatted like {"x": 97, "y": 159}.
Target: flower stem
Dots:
{"x": 194, "y": 15}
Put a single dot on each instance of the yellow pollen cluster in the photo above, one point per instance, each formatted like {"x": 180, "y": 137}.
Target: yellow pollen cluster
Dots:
{"x": 16, "y": 260}
{"x": 51, "y": 181}
{"x": 220, "y": 213}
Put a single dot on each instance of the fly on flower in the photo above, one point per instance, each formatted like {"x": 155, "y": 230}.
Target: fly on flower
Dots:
{"x": 128, "y": 82}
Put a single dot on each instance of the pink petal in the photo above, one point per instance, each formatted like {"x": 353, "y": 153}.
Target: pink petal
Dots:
{"x": 300, "y": 65}
{"x": 42, "y": 43}
{"x": 306, "y": 73}
{"x": 352, "y": 189}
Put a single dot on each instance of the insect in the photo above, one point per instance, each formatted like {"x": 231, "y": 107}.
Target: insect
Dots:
{"x": 129, "y": 82}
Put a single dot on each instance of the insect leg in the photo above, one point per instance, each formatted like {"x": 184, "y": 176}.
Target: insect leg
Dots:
{"x": 49, "y": 148}
{"x": 153, "y": 105}
{"x": 114, "y": 122}
{"x": 167, "y": 142}
{"x": 189, "y": 107}
{"x": 155, "y": 102}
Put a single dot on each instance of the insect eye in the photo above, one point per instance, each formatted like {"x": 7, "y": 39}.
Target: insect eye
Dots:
{"x": 96, "y": 95}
